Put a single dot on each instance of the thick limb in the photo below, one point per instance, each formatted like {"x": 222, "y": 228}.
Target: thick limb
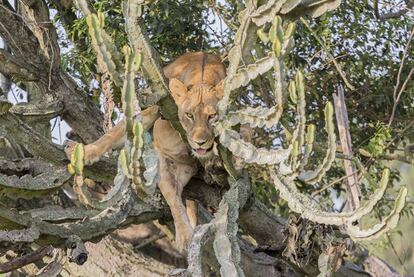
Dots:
{"x": 191, "y": 207}
{"x": 177, "y": 166}
{"x": 114, "y": 138}
{"x": 173, "y": 178}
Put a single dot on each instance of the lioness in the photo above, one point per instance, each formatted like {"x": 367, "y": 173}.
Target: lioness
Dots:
{"x": 195, "y": 82}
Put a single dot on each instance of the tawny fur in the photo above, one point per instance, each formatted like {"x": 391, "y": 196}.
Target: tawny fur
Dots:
{"x": 195, "y": 82}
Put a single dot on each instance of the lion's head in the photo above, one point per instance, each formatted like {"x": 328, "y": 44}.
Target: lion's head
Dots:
{"x": 197, "y": 112}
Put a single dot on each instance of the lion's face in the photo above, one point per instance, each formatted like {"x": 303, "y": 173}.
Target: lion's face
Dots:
{"x": 197, "y": 113}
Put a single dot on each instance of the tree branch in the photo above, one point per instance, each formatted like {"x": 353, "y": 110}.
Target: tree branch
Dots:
{"x": 140, "y": 42}
{"x": 80, "y": 113}
{"x": 11, "y": 66}
{"x": 341, "y": 113}
{"x": 333, "y": 59}
{"x": 19, "y": 38}
{"x": 396, "y": 96}
{"x": 388, "y": 157}
{"x": 41, "y": 147}
{"x": 30, "y": 177}
{"x": 26, "y": 259}
{"x": 37, "y": 18}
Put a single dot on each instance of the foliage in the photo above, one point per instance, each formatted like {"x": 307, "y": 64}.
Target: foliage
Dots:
{"x": 377, "y": 143}
{"x": 176, "y": 27}
{"x": 369, "y": 51}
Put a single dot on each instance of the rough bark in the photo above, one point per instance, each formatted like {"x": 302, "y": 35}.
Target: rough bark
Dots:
{"x": 111, "y": 257}
{"x": 79, "y": 111}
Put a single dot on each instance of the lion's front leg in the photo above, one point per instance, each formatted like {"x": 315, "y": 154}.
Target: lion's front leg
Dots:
{"x": 173, "y": 177}
{"x": 114, "y": 138}
{"x": 192, "y": 210}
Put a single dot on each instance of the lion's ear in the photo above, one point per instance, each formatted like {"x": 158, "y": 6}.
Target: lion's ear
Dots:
{"x": 219, "y": 90}
{"x": 178, "y": 90}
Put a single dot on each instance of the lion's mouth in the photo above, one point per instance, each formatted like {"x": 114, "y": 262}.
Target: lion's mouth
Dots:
{"x": 202, "y": 151}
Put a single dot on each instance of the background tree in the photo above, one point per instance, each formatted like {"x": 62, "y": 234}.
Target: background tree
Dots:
{"x": 69, "y": 65}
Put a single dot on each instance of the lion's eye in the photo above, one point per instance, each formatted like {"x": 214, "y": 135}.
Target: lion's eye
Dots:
{"x": 212, "y": 116}
{"x": 189, "y": 115}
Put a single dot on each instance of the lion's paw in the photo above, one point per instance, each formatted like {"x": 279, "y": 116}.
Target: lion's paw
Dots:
{"x": 92, "y": 153}
{"x": 69, "y": 146}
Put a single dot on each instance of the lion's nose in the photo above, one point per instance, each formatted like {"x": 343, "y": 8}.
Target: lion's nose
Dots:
{"x": 200, "y": 142}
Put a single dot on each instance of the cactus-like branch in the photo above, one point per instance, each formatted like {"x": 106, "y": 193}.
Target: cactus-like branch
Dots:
{"x": 297, "y": 95}
{"x": 139, "y": 41}
{"x": 226, "y": 244}
{"x": 250, "y": 72}
{"x": 300, "y": 107}
{"x": 309, "y": 139}
{"x": 136, "y": 153}
{"x": 129, "y": 158}
{"x": 107, "y": 53}
{"x": 307, "y": 207}
{"x": 224, "y": 228}
{"x": 293, "y": 8}
{"x": 76, "y": 167}
{"x": 24, "y": 235}
{"x": 259, "y": 117}
{"x": 304, "y": 205}
{"x": 39, "y": 178}
{"x": 316, "y": 175}
{"x": 105, "y": 220}
{"x": 129, "y": 98}
{"x": 250, "y": 153}
{"x": 77, "y": 160}
{"x": 255, "y": 117}
{"x": 266, "y": 12}
{"x": 388, "y": 223}
{"x": 282, "y": 43}
{"x": 235, "y": 56}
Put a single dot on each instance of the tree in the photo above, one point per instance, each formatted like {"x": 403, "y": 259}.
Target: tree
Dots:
{"x": 269, "y": 87}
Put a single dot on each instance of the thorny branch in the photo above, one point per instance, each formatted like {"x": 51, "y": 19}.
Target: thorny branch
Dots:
{"x": 26, "y": 259}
